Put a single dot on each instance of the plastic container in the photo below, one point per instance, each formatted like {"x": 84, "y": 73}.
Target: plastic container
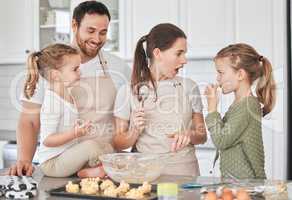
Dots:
{"x": 167, "y": 191}
{"x": 289, "y": 190}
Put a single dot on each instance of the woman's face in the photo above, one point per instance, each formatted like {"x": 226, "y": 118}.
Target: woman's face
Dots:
{"x": 172, "y": 59}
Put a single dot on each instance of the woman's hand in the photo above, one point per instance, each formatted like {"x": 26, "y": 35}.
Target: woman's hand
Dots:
{"x": 138, "y": 120}
{"x": 180, "y": 140}
{"x": 212, "y": 97}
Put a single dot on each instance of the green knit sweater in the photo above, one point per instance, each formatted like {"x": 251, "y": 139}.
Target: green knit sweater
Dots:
{"x": 238, "y": 139}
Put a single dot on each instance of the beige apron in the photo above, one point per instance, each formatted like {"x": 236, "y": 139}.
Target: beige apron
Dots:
{"x": 95, "y": 98}
{"x": 171, "y": 112}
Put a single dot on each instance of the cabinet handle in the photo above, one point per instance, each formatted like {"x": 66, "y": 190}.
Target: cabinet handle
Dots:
{"x": 27, "y": 51}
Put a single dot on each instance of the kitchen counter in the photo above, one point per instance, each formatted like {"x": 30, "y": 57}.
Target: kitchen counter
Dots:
{"x": 46, "y": 183}
{"x": 53, "y": 182}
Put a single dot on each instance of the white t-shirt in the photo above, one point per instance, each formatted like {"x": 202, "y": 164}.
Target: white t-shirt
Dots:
{"x": 117, "y": 68}
{"x": 56, "y": 116}
{"x": 124, "y": 103}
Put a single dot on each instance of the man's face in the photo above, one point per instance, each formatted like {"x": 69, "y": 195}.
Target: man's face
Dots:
{"x": 90, "y": 36}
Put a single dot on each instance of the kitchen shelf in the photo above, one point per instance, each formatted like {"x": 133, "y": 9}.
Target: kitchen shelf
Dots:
{"x": 51, "y": 26}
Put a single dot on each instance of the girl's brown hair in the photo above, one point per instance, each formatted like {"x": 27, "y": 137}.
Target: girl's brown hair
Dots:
{"x": 243, "y": 56}
{"x": 161, "y": 36}
{"x": 38, "y": 63}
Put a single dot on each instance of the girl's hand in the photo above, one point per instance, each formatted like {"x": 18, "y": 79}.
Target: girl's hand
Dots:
{"x": 180, "y": 140}
{"x": 82, "y": 129}
{"x": 139, "y": 121}
{"x": 212, "y": 97}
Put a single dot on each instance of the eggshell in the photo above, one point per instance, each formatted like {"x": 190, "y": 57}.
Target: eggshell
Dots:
{"x": 227, "y": 194}
{"x": 219, "y": 191}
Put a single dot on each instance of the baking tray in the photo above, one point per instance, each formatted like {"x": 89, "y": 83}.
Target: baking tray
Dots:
{"x": 61, "y": 191}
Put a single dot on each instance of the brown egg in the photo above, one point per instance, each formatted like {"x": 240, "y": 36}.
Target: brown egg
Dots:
{"x": 227, "y": 195}
{"x": 210, "y": 196}
{"x": 227, "y": 190}
{"x": 242, "y": 195}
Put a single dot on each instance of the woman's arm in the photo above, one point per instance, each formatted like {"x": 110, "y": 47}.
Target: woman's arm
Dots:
{"x": 198, "y": 134}
{"x": 126, "y": 136}
{"x": 123, "y": 138}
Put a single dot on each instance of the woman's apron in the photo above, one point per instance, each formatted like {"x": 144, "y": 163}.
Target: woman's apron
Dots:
{"x": 95, "y": 97}
{"x": 172, "y": 112}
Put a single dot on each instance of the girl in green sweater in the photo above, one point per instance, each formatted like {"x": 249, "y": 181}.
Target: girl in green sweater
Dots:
{"x": 238, "y": 135}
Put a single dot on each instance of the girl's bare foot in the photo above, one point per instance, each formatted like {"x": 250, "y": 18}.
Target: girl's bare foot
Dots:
{"x": 92, "y": 172}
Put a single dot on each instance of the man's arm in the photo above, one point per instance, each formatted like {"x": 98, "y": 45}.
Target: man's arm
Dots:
{"x": 27, "y": 138}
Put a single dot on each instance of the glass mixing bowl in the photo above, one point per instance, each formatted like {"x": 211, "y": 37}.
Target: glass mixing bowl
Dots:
{"x": 132, "y": 167}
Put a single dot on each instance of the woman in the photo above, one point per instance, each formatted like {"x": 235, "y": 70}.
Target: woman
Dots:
{"x": 168, "y": 119}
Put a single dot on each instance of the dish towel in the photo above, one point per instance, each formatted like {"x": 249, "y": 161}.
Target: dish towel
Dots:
{"x": 18, "y": 187}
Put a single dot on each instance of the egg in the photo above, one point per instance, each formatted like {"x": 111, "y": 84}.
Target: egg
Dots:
{"x": 210, "y": 196}
{"x": 242, "y": 195}
{"x": 227, "y": 196}
{"x": 234, "y": 191}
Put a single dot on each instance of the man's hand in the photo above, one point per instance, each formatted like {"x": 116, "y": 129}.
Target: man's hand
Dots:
{"x": 21, "y": 168}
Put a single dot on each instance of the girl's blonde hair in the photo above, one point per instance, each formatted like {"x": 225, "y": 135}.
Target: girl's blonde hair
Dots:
{"x": 243, "y": 56}
{"x": 38, "y": 63}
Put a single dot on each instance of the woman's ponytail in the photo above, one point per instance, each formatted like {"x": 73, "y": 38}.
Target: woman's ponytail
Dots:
{"x": 141, "y": 72}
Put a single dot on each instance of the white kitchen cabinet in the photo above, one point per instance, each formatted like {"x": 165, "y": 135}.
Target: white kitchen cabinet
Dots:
{"x": 138, "y": 17}
{"x": 29, "y": 25}
{"x": 205, "y": 158}
{"x": 17, "y": 35}
{"x": 53, "y": 24}
{"x": 209, "y": 25}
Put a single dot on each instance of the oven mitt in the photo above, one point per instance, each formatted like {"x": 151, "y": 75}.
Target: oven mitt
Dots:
{"x": 18, "y": 187}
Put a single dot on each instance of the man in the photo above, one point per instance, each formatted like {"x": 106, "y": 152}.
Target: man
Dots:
{"x": 101, "y": 75}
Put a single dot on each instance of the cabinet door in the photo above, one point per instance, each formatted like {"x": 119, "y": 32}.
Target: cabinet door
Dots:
{"x": 205, "y": 158}
{"x": 140, "y": 16}
{"x": 16, "y": 19}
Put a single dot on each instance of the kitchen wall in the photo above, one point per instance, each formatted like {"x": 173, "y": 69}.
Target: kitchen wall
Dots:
{"x": 8, "y": 104}
{"x": 209, "y": 28}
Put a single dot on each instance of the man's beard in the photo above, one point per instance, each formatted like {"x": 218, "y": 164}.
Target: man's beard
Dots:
{"x": 82, "y": 46}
